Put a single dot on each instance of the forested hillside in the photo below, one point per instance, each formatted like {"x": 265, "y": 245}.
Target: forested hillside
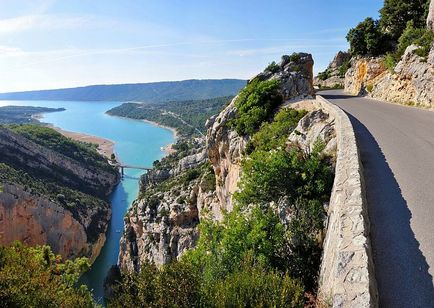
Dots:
{"x": 144, "y": 92}
{"x": 187, "y": 117}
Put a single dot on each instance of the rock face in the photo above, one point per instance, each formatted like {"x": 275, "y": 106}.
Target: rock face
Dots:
{"x": 35, "y": 220}
{"x": 412, "y": 82}
{"x": 430, "y": 20}
{"x": 316, "y": 125}
{"x": 162, "y": 223}
{"x": 334, "y": 72}
{"x": 363, "y": 74}
{"x": 33, "y": 215}
{"x": 225, "y": 146}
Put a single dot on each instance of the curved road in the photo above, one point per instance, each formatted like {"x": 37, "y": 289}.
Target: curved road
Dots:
{"x": 397, "y": 150}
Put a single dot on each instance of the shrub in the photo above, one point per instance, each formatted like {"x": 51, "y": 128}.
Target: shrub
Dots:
{"x": 174, "y": 285}
{"x": 273, "y": 135}
{"x": 35, "y": 277}
{"x": 369, "y": 87}
{"x": 344, "y": 68}
{"x": 324, "y": 75}
{"x": 253, "y": 286}
{"x": 411, "y": 35}
{"x": 255, "y": 104}
{"x": 273, "y": 67}
{"x": 390, "y": 61}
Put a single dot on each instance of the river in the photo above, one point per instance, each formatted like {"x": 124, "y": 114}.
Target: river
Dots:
{"x": 136, "y": 143}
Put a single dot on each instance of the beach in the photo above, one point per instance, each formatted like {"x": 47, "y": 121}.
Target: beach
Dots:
{"x": 105, "y": 146}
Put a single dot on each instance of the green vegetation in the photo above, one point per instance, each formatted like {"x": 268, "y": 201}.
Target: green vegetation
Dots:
{"x": 367, "y": 38}
{"x": 35, "y": 277}
{"x": 396, "y": 13}
{"x": 22, "y": 114}
{"x": 274, "y": 135}
{"x": 252, "y": 258}
{"x": 402, "y": 23}
{"x": 188, "y": 117}
{"x": 344, "y": 68}
{"x": 324, "y": 75}
{"x": 255, "y": 104}
{"x": 273, "y": 67}
{"x": 48, "y": 137}
{"x": 418, "y": 36}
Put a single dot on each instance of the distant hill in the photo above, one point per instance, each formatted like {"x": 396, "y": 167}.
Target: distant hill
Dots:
{"x": 145, "y": 92}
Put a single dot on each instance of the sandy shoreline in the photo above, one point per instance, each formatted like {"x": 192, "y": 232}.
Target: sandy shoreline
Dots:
{"x": 105, "y": 146}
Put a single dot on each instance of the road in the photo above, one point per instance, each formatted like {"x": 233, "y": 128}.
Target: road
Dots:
{"x": 397, "y": 150}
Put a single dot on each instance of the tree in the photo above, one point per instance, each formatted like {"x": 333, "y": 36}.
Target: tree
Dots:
{"x": 35, "y": 277}
{"x": 367, "y": 38}
{"x": 396, "y": 13}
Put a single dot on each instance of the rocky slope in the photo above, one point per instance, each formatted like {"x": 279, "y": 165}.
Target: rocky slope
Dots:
{"x": 411, "y": 82}
{"x": 199, "y": 182}
{"x": 333, "y": 76}
{"x": 47, "y": 197}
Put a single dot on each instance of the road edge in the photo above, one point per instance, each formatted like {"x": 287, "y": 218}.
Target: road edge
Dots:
{"x": 347, "y": 277}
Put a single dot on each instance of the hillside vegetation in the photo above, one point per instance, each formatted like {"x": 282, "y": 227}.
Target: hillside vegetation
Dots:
{"x": 401, "y": 24}
{"x": 187, "y": 117}
{"x": 22, "y": 114}
{"x": 144, "y": 92}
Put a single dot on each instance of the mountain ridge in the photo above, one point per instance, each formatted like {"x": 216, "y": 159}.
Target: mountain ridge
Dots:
{"x": 161, "y": 91}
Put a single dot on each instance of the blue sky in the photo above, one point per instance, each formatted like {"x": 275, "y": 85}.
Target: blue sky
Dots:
{"x": 52, "y": 44}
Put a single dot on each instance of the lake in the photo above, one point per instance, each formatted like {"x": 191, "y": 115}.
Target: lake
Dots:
{"x": 136, "y": 143}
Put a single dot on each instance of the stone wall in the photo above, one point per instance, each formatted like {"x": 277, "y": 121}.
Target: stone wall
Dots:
{"x": 347, "y": 270}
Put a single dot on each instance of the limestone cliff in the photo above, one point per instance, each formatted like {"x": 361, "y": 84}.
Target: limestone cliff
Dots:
{"x": 334, "y": 75}
{"x": 47, "y": 197}
{"x": 411, "y": 83}
{"x": 189, "y": 185}
{"x": 363, "y": 74}
{"x": 225, "y": 146}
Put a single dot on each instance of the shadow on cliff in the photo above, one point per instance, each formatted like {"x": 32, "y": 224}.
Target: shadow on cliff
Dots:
{"x": 400, "y": 267}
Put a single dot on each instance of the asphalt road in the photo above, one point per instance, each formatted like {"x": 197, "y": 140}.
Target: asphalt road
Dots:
{"x": 397, "y": 150}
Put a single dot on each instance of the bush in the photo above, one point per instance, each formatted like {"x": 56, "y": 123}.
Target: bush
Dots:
{"x": 411, "y": 35}
{"x": 324, "y": 75}
{"x": 174, "y": 285}
{"x": 255, "y": 104}
{"x": 273, "y": 67}
{"x": 344, "y": 68}
{"x": 35, "y": 277}
{"x": 369, "y": 87}
{"x": 254, "y": 286}
{"x": 390, "y": 61}
{"x": 274, "y": 135}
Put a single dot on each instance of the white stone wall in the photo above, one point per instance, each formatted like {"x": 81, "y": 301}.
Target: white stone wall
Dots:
{"x": 347, "y": 271}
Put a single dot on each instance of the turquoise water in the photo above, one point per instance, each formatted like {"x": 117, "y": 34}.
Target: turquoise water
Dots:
{"x": 136, "y": 143}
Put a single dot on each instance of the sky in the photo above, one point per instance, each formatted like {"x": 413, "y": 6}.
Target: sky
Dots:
{"x": 48, "y": 44}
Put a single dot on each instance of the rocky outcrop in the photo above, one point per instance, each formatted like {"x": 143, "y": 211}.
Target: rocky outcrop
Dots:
{"x": 363, "y": 74}
{"x": 49, "y": 198}
{"x": 430, "y": 19}
{"x": 411, "y": 83}
{"x": 162, "y": 223}
{"x": 225, "y": 146}
{"x": 35, "y": 220}
{"x": 332, "y": 77}
{"x": 316, "y": 126}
